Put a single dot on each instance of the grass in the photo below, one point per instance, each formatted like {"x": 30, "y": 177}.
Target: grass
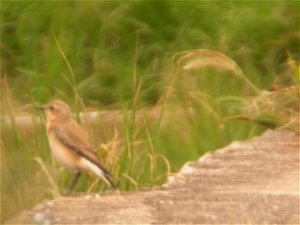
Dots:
{"x": 117, "y": 57}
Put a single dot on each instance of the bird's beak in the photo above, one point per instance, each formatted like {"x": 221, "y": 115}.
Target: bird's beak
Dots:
{"x": 40, "y": 107}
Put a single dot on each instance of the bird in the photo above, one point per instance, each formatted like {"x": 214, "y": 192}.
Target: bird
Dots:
{"x": 69, "y": 143}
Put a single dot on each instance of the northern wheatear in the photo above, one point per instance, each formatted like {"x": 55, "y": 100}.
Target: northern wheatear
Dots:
{"x": 70, "y": 144}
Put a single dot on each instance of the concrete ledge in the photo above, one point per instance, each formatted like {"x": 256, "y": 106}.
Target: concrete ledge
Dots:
{"x": 250, "y": 182}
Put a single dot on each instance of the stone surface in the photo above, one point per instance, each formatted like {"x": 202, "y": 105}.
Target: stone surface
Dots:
{"x": 251, "y": 182}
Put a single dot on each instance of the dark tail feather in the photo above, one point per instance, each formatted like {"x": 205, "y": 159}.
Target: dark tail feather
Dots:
{"x": 100, "y": 171}
{"x": 107, "y": 176}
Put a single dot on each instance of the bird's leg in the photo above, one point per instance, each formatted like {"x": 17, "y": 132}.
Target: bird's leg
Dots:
{"x": 75, "y": 179}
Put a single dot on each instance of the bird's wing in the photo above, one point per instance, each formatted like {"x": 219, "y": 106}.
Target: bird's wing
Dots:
{"x": 70, "y": 137}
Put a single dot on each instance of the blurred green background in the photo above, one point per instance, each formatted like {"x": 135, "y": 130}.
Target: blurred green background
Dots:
{"x": 117, "y": 55}
{"x": 102, "y": 38}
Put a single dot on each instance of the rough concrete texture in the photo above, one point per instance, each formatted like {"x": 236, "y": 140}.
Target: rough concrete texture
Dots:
{"x": 251, "y": 182}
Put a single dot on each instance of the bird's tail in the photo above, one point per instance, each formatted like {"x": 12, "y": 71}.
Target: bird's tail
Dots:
{"x": 99, "y": 171}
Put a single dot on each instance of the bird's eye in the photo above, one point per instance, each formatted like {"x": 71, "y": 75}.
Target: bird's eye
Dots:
{"x": 51, "y": 107}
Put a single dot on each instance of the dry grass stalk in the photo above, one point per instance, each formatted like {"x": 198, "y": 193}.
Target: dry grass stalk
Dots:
{"x": 196, "y": 59}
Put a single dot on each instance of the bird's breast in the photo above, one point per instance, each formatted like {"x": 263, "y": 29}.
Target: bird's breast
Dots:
{"x": 66, "y": 156}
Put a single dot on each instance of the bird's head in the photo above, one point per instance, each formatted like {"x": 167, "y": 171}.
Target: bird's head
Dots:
{"x": 56, "y": 110}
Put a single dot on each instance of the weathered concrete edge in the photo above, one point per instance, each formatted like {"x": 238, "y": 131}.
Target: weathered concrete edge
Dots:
{"x": 186, "y": 168}
{"x": 28, "y": 216}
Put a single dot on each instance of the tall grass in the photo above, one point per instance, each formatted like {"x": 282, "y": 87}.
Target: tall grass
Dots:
{"x": 117, "y": 57}
{"x": 99, "y": 40}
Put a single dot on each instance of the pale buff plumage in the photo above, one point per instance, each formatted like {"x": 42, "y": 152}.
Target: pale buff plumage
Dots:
{"x": 69, "y": 142}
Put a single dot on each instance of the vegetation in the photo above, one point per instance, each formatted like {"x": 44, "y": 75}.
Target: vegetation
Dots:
{"x": 208, "y": 72}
